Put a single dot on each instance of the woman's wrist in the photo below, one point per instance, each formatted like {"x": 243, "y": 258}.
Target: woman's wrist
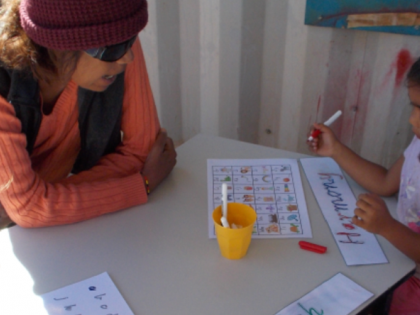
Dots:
{"x": 146, "y": 184}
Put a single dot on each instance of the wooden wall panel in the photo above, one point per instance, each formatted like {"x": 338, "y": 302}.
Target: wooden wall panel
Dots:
{"x": 252, "y": 71}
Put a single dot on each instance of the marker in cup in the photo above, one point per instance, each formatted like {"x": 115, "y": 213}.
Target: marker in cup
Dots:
{"x": 223, "y": 219}
{"x": 315, "y": 133}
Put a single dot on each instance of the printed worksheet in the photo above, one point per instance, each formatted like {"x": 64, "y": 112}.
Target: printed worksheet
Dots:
{"x": 94, "y": 296}
{"x": 337, "y": 203}
{"x": 339, "y": 296}
{"x": 273, "y": 187}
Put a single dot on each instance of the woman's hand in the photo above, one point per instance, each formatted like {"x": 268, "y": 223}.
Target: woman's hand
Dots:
{"x": 372, "y": 214}
{"x": 160, "y": 161}
{"x": 5, "y": 220}
{"x": 326, "y": 144}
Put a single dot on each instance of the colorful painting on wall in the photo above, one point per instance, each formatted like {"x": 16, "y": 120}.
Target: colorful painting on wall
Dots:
{"x": 393, "y": 16}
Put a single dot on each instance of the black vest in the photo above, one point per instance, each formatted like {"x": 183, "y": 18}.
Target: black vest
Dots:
{"x": 99, "y": 114}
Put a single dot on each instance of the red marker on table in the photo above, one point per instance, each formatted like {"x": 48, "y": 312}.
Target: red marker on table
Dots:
{"x": 315, "y": 133}
{"x": 312, "y": 247}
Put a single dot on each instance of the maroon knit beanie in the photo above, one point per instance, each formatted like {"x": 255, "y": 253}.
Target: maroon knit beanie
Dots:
{"x": 82, "y": 24}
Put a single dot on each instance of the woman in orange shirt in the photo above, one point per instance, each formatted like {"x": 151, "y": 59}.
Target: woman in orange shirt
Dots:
{"x": 79, "y": 133}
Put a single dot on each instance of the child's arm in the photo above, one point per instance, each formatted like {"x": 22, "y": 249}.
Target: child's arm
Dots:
{"x": 373, "y": 216}
{"x": 371, "y": 176}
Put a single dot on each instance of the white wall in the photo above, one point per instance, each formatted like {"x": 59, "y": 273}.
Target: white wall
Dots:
{"x": 251, "y": 70}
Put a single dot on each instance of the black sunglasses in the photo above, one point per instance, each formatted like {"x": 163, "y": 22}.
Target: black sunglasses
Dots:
{"x": 113, "y": 52}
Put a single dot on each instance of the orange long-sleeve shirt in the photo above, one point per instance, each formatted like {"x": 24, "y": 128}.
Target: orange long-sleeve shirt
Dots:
{"x": 41, "y": 193}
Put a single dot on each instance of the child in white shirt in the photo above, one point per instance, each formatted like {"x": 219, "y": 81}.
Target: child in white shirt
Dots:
{"x": 371, "y": 213}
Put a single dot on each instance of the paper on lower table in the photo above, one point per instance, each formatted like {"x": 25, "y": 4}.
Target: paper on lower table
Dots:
{"x": 337, "y": 204}
{"x": 94, "y": 296}
{"x": 338, "y": 295}
{"x": 273, "y": 187}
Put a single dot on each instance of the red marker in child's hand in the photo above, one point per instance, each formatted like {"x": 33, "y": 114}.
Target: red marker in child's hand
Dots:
{"x": 312, "y": 247}
{"x": 315, "y": 133}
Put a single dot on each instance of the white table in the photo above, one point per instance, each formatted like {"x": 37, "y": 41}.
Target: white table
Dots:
{"x": 160, "y": 257}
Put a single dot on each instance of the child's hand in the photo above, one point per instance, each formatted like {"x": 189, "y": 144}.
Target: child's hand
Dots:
{"x": 372, "y": 214}
{"x": 325, "y": 144}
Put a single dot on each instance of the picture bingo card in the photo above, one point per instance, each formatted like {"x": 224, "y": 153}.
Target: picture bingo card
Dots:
{"x": 94, "y": 296}
{"x": 272, "y": 187}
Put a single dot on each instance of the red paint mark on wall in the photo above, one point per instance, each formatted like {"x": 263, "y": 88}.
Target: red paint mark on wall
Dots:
{"x": 402, "y": 64}
{"x": 385, "y": 81}
{"x": 358, "y": 101}
{"x": 317, "y": 107}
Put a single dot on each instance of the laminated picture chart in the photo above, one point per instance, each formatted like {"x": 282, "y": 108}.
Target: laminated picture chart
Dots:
{"x": 273, "y": 187}
{"x": 94, "y": 296}
{"x": 337, "y": 203}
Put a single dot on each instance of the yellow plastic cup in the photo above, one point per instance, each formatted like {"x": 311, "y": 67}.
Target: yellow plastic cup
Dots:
{"x": 234, "y": 243}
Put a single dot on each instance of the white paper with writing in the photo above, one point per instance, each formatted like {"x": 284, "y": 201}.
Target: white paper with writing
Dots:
{"x": 338, "y": 295}
{"x": 337, "y": 203}
{"x": 94, "y": 296}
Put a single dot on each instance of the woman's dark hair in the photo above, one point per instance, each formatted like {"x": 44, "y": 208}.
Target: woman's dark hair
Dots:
{"x": 18, "y": 51}
{"x": 413, "y": 76}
